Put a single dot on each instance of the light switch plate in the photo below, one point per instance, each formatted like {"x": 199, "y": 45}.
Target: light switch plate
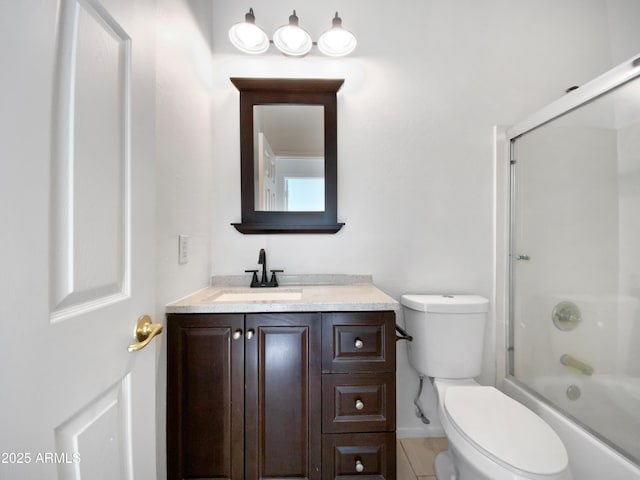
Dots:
{"x": 183, "y": 249}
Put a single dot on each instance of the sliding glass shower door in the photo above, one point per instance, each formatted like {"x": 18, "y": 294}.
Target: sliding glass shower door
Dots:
{"x": 575, "y": 265}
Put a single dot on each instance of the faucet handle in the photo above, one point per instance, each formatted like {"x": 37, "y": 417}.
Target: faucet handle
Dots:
{"x": 254, "y": 279}
{"x": 274, "y": 280}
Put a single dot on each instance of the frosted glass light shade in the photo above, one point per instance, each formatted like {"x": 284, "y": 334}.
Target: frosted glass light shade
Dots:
{"x": 248, "y": 37}
{"x": 291, "y": 39}
{"x": 337, "y": 41}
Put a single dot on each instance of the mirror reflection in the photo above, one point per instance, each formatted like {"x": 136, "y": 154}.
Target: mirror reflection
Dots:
{"x": 289, "y": 162}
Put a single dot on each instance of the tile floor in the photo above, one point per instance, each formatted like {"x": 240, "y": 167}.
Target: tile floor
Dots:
{"x": 416, "y": 457}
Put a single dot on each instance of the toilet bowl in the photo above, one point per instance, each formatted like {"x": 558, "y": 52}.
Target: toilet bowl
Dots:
{"x": 491, "y": 436}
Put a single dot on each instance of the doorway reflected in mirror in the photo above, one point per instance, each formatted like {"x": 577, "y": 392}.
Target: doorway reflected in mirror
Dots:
{"x": 289, "y": 157}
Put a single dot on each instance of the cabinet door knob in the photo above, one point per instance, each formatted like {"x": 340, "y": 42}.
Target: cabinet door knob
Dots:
{"x": 359, "y": 404}
{"x": 359, "y": 466}
{"x": 358, "y": 343}
{"x": 237, "y": 334}
{"x": 250, "y": 334}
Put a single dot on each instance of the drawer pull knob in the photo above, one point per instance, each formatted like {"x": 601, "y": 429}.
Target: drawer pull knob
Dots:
{"x": 250, "y": 334}
{"x": 358, "y": 343}
{"x": 359, "y": 404}
{"x": 359, "y": 466}
{"x": 237, "y": 334}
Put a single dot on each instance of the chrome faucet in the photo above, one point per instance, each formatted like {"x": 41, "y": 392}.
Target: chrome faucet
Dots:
{"x": 262, "y": 260}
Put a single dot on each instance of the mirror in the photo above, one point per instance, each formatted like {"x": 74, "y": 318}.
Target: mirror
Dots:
{"x": 288, "y": 155}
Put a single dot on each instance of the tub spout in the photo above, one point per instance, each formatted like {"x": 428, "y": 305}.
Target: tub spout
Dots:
{"x": 571, "y": 361}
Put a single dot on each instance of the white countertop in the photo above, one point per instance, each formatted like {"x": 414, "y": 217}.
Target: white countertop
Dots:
{"x": 224, "y": 298}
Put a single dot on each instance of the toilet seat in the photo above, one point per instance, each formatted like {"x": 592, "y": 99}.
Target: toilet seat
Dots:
{"x": 504, "y": 430}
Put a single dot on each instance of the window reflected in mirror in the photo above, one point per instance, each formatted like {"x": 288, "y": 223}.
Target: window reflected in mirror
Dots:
{"x": 289, "y": 166}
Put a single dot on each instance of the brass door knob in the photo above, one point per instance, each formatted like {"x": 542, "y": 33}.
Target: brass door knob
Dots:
{"x": 145, "y": 331}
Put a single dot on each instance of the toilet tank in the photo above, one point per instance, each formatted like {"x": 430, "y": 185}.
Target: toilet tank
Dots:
{"x": 448, "y": 334}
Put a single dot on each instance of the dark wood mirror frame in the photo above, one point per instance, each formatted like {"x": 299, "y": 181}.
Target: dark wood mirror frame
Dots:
{"x": 269, "y": 91}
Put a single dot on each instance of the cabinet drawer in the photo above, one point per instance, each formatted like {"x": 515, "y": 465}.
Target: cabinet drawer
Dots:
{"x": 370, "y": 455}
{"x": 358, "y": 342}
{"x": 359, "y": 403}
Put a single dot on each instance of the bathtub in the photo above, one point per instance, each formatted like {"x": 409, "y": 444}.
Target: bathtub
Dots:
{"x": 590, "y": 458}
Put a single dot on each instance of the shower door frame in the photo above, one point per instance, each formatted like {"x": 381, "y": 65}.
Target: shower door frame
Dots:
{"x": 504, "y": 215}
{"x": 505, "y": 192}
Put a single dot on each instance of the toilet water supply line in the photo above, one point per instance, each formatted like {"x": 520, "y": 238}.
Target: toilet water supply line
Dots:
{"x": 416, "y": 402}
{"x": 404, "y": 335}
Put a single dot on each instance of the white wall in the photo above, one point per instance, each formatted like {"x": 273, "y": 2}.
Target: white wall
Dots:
{"x": 628, "y": 143}
{"x": 422, "y": 92}
{"x": 624, "y": 34}
{"x": 183, "y": 144}
{"x": 184, "y": 163}
{"x": 629, "y": 259}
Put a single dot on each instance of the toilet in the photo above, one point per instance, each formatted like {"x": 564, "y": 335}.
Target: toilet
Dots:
{"x": 491, "y": 436}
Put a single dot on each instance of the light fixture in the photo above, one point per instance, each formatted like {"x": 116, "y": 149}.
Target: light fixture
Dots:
{"x": 248, "y": 37}
{"x": 337, "y": 42}
{"x": 291, "y": 39}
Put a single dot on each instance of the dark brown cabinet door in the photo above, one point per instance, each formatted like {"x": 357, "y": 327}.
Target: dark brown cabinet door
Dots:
{"x": 205, "y": 396}
{"x": 283, "y": 396}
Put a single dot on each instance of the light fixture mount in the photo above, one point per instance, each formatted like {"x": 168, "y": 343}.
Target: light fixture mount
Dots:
{"x": 250, "y": 17}
{"x": 336, "y": 22}
{"x": 293, "y": 19}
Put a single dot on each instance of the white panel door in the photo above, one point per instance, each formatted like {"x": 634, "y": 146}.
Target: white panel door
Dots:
{"x": 266, "y": 195}
{"x": 76, "y": 269}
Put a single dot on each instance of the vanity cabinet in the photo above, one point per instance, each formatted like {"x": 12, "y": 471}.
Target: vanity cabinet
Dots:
{"x": 243, "y": 396}
{"x": 295, "y": 395}
{"x": 358, "y": 395}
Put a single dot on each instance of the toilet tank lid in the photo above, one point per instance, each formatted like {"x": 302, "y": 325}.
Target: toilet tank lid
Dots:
{"x": 446, "y": 303}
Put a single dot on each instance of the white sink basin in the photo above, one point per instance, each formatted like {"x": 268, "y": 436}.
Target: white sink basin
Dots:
{"x": 259, "y": 296}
